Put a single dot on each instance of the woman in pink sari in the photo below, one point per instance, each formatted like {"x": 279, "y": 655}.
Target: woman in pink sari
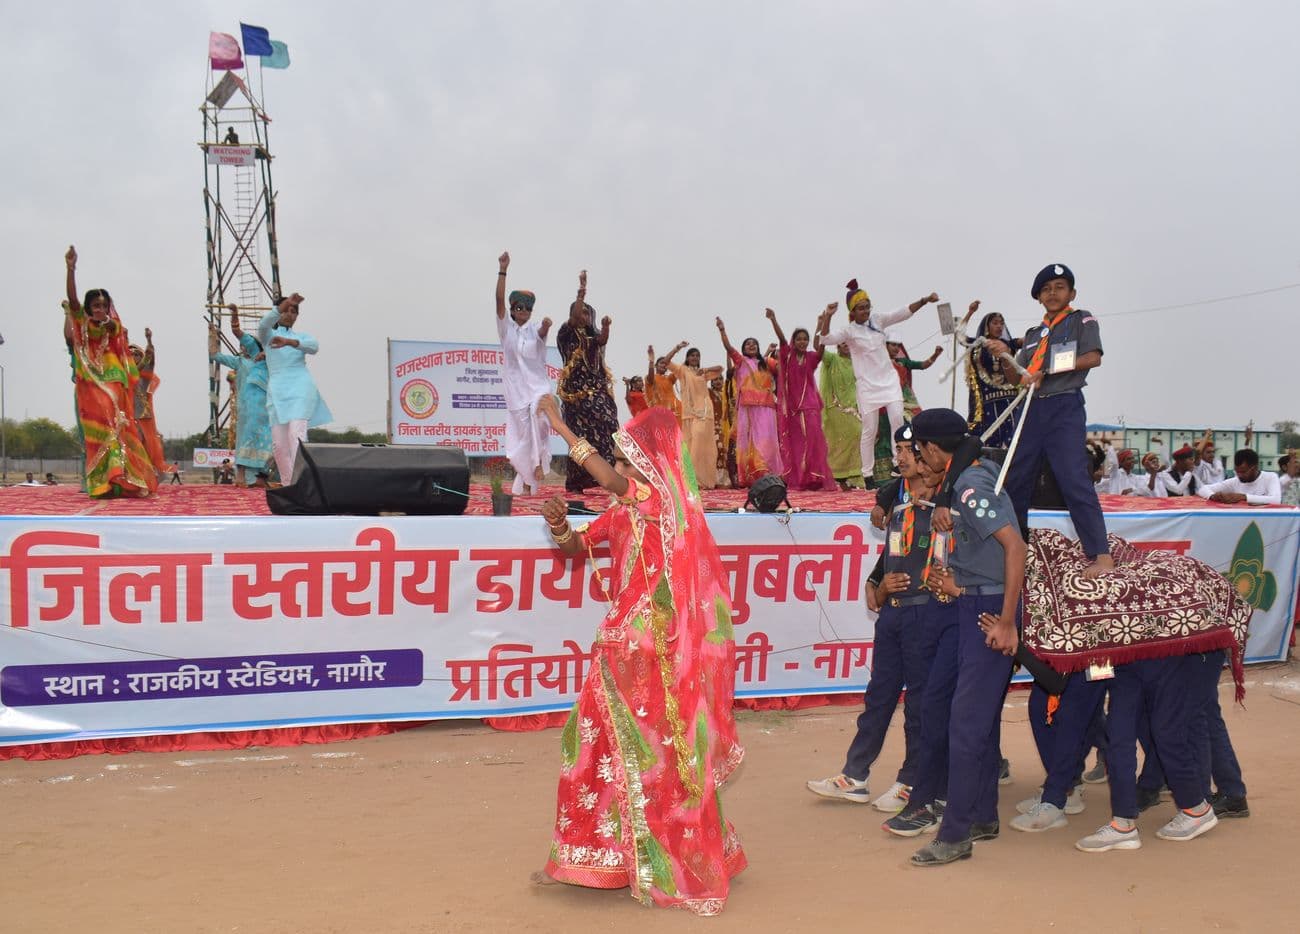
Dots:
{"x": 799, "y": 411}
{"x": 758, "y": 444}
{"x": 652, "y": 738}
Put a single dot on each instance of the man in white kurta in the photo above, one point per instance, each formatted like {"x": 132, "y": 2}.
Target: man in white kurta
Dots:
{"x": 1248, "y": 484}
{"x": 877, "y": 380}
{"x": 1208, "y": 470}
{"x": 523, "y": 345}
{"x": 292, "y": 402}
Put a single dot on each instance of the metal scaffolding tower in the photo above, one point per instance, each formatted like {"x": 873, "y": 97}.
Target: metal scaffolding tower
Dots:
{"x": 239, "y": 212}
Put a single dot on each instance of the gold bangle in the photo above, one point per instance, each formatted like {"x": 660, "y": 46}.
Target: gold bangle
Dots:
{"x": 561, "y": 539}
{"x": 580, "y": 451}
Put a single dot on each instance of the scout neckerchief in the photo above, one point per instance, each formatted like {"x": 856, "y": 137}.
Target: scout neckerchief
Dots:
{"x": 909, "y": 532}
{"x": 1040, "y": 352}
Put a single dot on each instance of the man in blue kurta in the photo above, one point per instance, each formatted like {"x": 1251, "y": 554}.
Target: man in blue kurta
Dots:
{"x": 292, "y": 402}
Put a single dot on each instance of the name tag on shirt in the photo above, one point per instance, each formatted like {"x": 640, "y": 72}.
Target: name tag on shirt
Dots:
{"x": 1063, "y": 357}
{"x": 1102, "y": 672}
{"x": 895, "y": 543}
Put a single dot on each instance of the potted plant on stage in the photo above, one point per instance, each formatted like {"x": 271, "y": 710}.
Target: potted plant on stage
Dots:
{"x": 498, "y": 471}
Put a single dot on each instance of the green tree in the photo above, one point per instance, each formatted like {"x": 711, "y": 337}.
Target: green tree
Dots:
{"x": 49, "y": 440}
{"x": 1288, "y": 434}
{"x": 18, "y": 442}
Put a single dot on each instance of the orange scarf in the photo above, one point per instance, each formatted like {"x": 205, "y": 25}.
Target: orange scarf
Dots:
{"x": 1040, "y": 352}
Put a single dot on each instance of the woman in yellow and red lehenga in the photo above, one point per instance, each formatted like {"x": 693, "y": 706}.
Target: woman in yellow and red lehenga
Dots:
{"x": 105, "y": 376}
{"x": 146, "y": 423}
{"x": 651, "y": 739}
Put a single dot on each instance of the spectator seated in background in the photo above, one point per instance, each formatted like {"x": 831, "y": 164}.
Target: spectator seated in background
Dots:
{"x": 50, "y": 481}
{"x": 1103, "y": 465}
{"x": 1208, "y": 469}
{"x": 226, "y": 473}
{"x": 1122, "y": 481}
{"x": 1153, "y": 483}
{"x": 30, "y": 481}
{"x": 1180, "y": 479}
{"x": 1288, "y": 466}
{"x": 1249, "y": 485}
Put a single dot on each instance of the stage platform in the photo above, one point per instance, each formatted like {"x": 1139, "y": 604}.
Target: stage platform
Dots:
{"x": 207, "y": 500}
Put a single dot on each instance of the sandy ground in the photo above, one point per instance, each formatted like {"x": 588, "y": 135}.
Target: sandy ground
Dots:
{"x": 437, "y": 829}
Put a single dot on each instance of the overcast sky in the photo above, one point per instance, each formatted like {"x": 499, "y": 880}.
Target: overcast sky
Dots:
{"x": 698, "y": 158}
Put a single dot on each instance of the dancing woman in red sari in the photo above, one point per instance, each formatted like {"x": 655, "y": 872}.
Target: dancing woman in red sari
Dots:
{"x": 651, "y": 739}
{"x": 105, "y": 377}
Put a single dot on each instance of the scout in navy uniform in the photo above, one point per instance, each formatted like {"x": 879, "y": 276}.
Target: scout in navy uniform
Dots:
{"x": 1058, "y": 355}
{"x": 904, "y": 642}
{"x": 988, "y": 569}
{"x": 1175, "y": 694}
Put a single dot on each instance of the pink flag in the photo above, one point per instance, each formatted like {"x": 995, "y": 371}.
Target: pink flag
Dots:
{"x": 223, "y": 50}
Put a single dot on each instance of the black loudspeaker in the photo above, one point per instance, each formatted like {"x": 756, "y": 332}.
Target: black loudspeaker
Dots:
{"x": 367, "y": 479}
{"x": 767, "y": 494}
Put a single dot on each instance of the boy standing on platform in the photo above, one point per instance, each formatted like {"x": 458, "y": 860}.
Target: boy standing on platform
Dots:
{"x": 1058, "y": 355}
{"x": 988, "y": 569}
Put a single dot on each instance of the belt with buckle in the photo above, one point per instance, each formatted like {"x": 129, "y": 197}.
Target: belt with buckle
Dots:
{"x": 914, "y": 600}
{"x": 986, "y": 590}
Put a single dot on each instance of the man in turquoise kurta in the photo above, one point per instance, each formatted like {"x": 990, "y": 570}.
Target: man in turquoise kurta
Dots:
{"x": 292, "y": 402}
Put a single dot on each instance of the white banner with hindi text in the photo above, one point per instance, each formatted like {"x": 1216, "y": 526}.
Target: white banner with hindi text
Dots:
{"x": 117, "y": 626}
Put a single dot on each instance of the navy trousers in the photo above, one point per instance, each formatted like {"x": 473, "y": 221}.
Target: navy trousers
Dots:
{"x": 900, "y": 657}
{"x": 1097, "y": 732}
{"x": 974, "y": 734}
{"x": 1174, "y": 693}
{"x": 1218, "y": 760}
{"x": 1152, "y": 776}
{"x": 1056, "y": 432}
{"x": 936, "y": 708}
{"x": 1063, "y": 745}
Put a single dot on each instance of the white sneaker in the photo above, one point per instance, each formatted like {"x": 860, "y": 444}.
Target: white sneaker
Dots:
{"x": 1042, "y": 816}
{"x": 1110, "y": 837}
{"x": 893, "y": 800}
{"x": 843, "y": 787}
{"x": 1073, "y": 804}
{"x": 1185, "y": 826}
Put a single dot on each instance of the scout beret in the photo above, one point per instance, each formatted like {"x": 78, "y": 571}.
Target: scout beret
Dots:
{"x": 932, "y": 424}
{"x": 1048, "y": 273}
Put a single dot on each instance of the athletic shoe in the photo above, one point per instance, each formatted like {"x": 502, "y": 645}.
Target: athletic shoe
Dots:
{"x": 1147, "y": 798}
{"x": 938, "y": 853}
{"x": 1042, "y": 816}
{"x": 843, "y": 787}
{"x": 1097, "y": 774}
{"x": 988, "y": 831}
{"x": 1229, "y": 805}
{"x": 1110, "y": 837}
{"x": 1186, "y": 826}
{"x": 1073, "y": 804}
{"x": 913, "y": 822}
{"x": 1004, "y": 772}
{"x": 893, "y": 800}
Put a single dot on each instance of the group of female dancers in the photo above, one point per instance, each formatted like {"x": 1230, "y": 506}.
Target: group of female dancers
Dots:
{"x": 817, "y": 412}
